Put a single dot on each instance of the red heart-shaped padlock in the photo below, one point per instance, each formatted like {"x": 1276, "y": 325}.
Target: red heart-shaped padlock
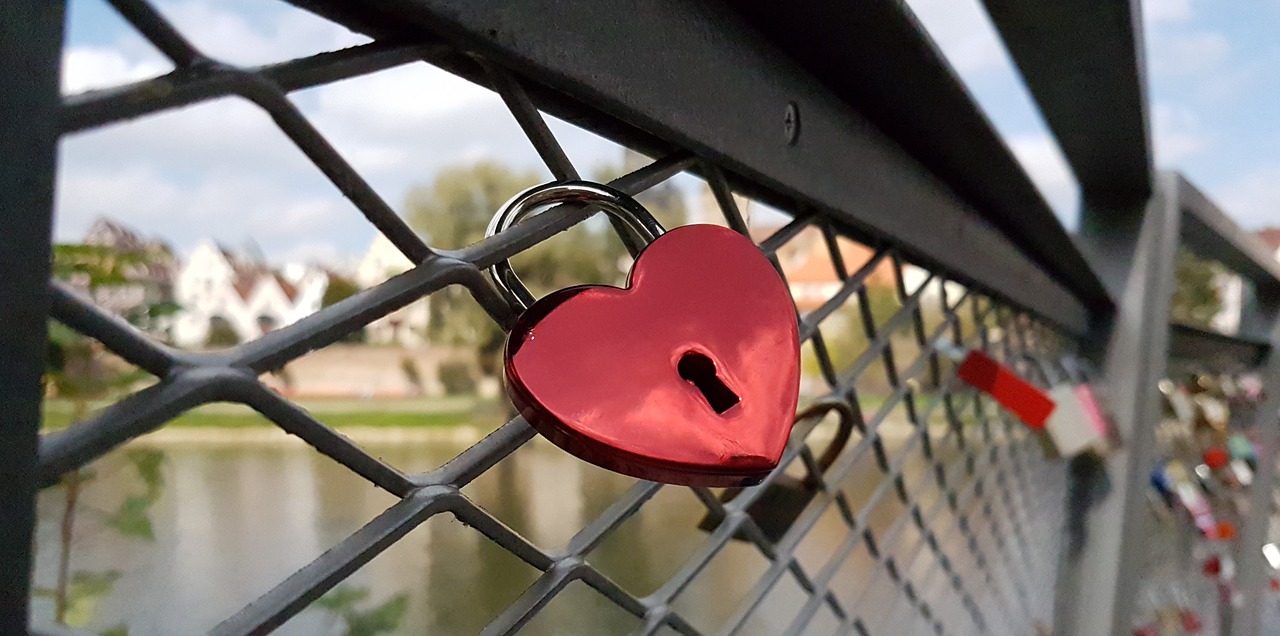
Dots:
{"x": 689, "y": 375}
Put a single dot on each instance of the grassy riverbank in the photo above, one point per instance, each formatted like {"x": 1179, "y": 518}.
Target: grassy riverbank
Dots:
{"x": 409, "y": 413}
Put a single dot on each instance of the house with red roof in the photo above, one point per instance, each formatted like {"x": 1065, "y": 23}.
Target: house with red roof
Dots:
{"x": 221, "y": 291}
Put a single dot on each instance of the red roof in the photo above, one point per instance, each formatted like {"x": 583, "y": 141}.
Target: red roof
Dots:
{"x": 1270, "y": 236}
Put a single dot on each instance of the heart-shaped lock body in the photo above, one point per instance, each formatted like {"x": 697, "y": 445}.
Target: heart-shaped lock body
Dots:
{"x": 689, "y": 375}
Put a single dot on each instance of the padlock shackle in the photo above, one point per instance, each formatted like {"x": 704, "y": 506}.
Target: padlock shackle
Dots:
{"x": 845, "y": 430}
{"x": 829, "y": 455}
{"x": 617, "y": 204}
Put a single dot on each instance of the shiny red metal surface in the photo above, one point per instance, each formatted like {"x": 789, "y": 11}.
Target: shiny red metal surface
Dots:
{"x": 598, "y": 370}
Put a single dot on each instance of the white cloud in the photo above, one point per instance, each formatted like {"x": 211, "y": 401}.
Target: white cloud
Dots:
{"x": 1164, "y": 11}
{"x": 965, "y": 34}
{"x": 89, "y": 67}
{"x": 235, "y": 37}
{"x": 1183, "y": 53}
{"x": 1253, "y": 199}
{"x": 222, "y": 169}
{"x": 316, "y": 252}
{"x": 226, "y": 207}
{"x": 1177, "y": 134}
{"x": 1041, "y": 157}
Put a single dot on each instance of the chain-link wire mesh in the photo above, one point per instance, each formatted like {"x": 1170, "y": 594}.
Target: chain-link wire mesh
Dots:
{"x": 950, "y": 514}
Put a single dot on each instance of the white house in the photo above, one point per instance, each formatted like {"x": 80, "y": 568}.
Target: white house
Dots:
{"x": 149, "y": 280}
{"x": 219, "y": 287}
{"x": 1231, "y": 287}
{"x": 406, "y": 326}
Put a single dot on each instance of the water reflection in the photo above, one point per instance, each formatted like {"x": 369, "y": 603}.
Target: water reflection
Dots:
{"x": 234, "y": 520}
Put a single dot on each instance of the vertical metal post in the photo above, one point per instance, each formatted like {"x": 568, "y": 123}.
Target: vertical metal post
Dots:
{"x": 30, "y": 42}
{"x": 1260, "y": 319}
{"x": 1133, "y": 250}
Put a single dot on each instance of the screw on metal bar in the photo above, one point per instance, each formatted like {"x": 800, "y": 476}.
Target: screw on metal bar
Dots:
{"x": 791, "y": 123}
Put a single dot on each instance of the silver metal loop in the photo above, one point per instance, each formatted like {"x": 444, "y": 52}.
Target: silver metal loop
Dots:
{"x": 617, "y": 204}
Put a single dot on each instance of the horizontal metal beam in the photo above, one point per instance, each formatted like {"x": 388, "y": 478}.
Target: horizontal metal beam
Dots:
{"x": 1083, "y": 64}
{"x": 1215, "y": 349}
{"x": 1211, "y": 234}
{"x": 703, "y": 79}
{"x": 875, "y": 56}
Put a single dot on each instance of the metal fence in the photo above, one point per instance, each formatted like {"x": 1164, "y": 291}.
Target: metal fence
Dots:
{"x": 1178, "y": 557}
{"x": 953, "y": 520}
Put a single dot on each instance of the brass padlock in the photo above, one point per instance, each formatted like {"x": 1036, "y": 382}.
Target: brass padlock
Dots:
{"x": 786, "y": 497}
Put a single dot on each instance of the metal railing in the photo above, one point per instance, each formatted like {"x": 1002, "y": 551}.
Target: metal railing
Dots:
{"x": 963, "y": 523}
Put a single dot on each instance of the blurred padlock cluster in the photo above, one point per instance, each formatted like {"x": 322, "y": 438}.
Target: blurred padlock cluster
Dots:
{"x": 1207, "y": 456}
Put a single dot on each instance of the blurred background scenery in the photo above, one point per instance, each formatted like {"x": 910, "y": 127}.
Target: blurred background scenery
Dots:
{"x": 206, "y": 228}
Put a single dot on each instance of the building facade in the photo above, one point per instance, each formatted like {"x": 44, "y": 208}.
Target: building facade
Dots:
{"x": 227, "y": 297}
{"x": 406, "y": 326}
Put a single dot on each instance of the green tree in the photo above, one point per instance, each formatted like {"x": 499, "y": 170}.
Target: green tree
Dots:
{"x": 845, "y": 336}
{"x": 455, "y": 211}
{"x": 338, "y": 289}
{"x": 344, "y": 603}
{"x": 665, "y": 200}
{"x": 1196, "y": 299}
{"x": 80, "y": 370}
{"x": 100, "y": 268}
{"x": 221, "y": 334}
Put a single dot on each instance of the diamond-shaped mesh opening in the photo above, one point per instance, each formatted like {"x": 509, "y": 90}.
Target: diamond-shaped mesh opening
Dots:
{"x": 824, "y": 623}
{"x": 648, "y": 549}
{"x": 778, "y": 609}
{"x": 546, "y": 494}
{"x": 810, "y": 270}
{"x": 578, "y": 609}
{"x": 109, "y": 51}
{"x": 475, "y": 154}
{"x": 710, "y": 599}
{"x": 822, "y": 542}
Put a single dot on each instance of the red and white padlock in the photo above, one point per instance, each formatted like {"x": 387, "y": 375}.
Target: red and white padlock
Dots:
{"x": 688, "y": 375}
{"x": 1077, "y": 422}
{"x": 1024, "y": 399}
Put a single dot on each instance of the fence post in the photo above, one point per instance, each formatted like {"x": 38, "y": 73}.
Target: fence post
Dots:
{"x": 1262, "y": 320}
{"x": 1133, "y": 251}
{"x": 30, "y": 43}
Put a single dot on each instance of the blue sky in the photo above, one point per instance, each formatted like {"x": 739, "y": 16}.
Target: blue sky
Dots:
{"x": 221, "y": 170}
{"x": 1213, "y": 92}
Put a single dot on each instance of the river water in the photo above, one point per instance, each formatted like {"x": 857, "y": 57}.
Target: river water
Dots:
{"x": 230, "y": 520}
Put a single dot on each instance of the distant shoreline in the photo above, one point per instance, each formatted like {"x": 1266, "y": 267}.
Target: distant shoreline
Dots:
{"x": 460, "y": 434}
{"x": 464, "y": 434}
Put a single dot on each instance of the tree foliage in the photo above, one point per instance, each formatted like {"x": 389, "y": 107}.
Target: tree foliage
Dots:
{"x": 338, "y": 289}
{"x": 79, "y": 369}
{"x": 454, "y": 211}
{"x": 221, "y": 334}
{"x": 1196, "y": 298}
{"x": 99, "y": 269}
{"x": 845, "y": 336}
{"x": 344, "y": 601}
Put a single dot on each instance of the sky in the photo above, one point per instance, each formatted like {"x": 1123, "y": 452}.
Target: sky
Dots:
{"x": 221, "y": 170}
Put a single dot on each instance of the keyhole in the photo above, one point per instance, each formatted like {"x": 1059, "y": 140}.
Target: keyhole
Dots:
{"x": 700, "y": 371}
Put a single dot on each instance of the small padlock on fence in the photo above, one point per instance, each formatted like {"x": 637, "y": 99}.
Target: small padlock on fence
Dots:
{"x": 786, "y": 497}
